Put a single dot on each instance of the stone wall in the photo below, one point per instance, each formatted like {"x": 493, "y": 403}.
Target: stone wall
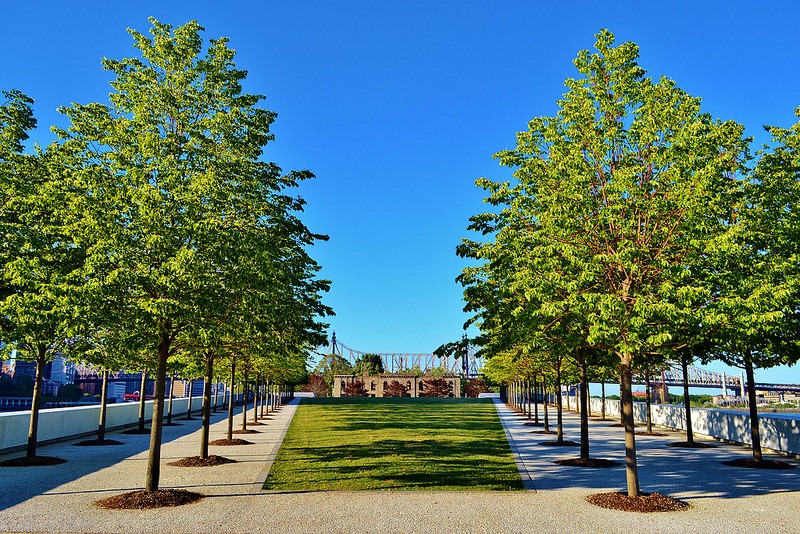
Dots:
{"x": 60, "y": 423}
{"x": 777, "y": 433}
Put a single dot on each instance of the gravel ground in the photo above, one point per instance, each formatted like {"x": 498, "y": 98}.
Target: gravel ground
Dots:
{"x": 722, "y": 498}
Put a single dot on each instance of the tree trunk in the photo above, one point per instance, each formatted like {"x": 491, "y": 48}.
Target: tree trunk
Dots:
{"x": 559, "y": 408}
{"x": 269, "y": 396}
{"x": 154, "y": 456}
{"x": 101, "y": 425}
{"x": 755, "y": 433}
{"x": 206, "y": 424}
{"x": 171, "y": 394}
{"x": 33, "y": 427}
{"x": 626, "y": 400}
{"x": 687, "y": 403}
{"x": 528, "y": 396}
{"x": 584, "y": 399}
{"x": 546, "y": 411}
{"x": 256, "y": 398}
{"x": 231, "y": 398}
{"x": 189, "y": 404}
{"x": 648, "y": 411}
{"x": 244, "y": 397}
{"x": 142, "y": 387}
{"x": 603, "y": 400}
{"x": 535, "y": 402}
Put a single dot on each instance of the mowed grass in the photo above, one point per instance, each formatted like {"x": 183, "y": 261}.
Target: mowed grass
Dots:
{"x": 394, "y": 444}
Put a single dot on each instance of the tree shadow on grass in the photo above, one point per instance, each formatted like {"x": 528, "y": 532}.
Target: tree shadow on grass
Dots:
{"x": 399, "y": 464}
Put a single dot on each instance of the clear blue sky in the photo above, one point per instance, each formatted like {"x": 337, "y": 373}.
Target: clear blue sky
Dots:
{"x": 398, "y": 106}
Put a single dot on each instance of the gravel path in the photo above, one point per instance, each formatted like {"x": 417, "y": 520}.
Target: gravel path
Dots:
{"x": 723, "y": 499}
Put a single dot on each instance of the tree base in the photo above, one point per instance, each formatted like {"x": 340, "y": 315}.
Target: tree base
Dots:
{"x": 543, "y": 432}
{"x": 644, "y": 503}
{"x": 227, "y": 442}
{"x": 97, "y": 443}
{"x": 658, "y": 434}
{"x": 197, "y": 461}
{"x": 136, "y": 431}
{"x": 248, "y": 431}
{"x": 752, "y": 463}
{"x": 32, "y": 461}
{"x": 692, "y": 445}
{"x": 144, "y": 500}
{"x": 588, "y": 462}
{"x": 562, "y": 443}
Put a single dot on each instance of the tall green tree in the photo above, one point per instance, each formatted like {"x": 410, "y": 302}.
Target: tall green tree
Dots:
{"x": 618, "y": 194}
{"x": 40, "y": 258}
{"x": 756, "y": 269}
{"x": 172, "y": 171}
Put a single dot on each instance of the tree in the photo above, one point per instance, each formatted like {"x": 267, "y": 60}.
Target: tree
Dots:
{"x": 435, "y": 387}
{"x": 316, "y": 385}
{"x": 395, "y": 389}
{"x": 332, "y": 365}
{"x": 369, "y": 365}
{"x": 355, "y": 388}
{"x": 755, "y": 267}
{"x": 614, "y": 200}
{"x": 40, "y": 258}
{"x": 475, "y": 387}
{"x": 70, "y": 392}
{"x": 170, "y": 169}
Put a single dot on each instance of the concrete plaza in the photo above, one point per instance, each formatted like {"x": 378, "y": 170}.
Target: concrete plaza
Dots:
{"x": 723, "y": 499}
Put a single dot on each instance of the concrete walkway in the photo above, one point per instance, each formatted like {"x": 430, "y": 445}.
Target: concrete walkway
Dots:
{"x": 724, "y": 499}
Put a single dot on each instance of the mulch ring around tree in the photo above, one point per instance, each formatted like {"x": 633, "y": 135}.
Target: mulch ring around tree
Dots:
{"x": 226, "y": 442}
{"x": 692, "y": 445}
{"x": 645, "y": 502}
{"x": 143, "y": 500}
{"x": 97, "y": 443}
{"x": 657, "y": 434}
{"x": 543, "y": 432}
{"x": 589, "y": 462}
{"x": 32, "y": 461}
{"x": 532, "y": 424}
{"x": 197, "y": 461}
{"x": 752, "y": 463}
{"x": 248, "y": 431}
{"x": 562, "y": 443}
{"x": 136, "y": 431}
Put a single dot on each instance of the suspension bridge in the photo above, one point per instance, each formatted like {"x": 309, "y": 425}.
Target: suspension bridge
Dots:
{"x": 466, "y": 364}
{"x": 463, "y": 364}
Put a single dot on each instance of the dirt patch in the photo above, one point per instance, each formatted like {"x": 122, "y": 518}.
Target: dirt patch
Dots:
{"x": 543, "y": 432}
{"x": 645, "y": 502}
{"x": 563, "y": 443}
{"x": 532, "y": 424}
{"x": 657, "y": 434}
{"x": 590, "y": 462}
{"x": 97, "y": 443}
{"x": 752, "y": 463}
{"x": 226, "y": 442}
{"x": 692, "y": 445}
{"x": 255, "y": 423}
{"x": 32, "y": 461}
{"x": 248, "y": 431}
{"x": 143, "y": 500}
{"x": 197, "y": 461}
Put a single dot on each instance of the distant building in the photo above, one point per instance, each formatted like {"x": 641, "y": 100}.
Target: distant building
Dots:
{"x": 375, "y": 385}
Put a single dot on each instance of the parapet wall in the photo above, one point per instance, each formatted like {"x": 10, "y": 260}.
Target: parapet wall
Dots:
{"x": 61, "y": 423}
{"x": 777, "y": 433}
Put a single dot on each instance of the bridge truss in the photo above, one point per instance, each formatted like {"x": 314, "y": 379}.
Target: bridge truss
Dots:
{"x": 465, "y": 364}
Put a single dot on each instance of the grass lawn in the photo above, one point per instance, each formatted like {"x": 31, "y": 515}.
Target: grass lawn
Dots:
{"x": 394, "y": 444}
